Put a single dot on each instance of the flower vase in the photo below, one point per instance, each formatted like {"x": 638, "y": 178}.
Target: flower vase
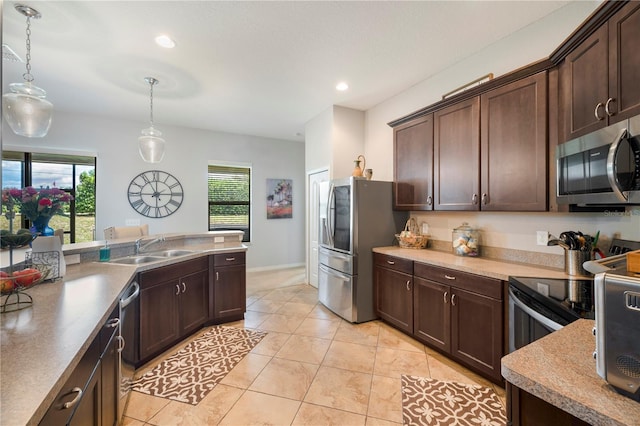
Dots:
{"x": 41, "y": 227}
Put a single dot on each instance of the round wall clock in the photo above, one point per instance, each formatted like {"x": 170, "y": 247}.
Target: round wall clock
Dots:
{"x": 155, "y": 194}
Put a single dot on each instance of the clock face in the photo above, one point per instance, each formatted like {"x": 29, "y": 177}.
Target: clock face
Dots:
{"x": 155, "y": 194}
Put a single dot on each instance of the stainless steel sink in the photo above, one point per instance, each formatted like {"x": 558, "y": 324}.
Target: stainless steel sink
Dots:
{"x": 171, "y": 253}
{"x": 136, "y": 260}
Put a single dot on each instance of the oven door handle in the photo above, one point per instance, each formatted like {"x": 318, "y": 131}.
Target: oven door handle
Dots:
{"x": 611, "y": 167}
{"x": 535, "y": 315}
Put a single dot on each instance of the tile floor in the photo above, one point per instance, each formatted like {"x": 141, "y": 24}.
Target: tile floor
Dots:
{"x": 312, "y": 368}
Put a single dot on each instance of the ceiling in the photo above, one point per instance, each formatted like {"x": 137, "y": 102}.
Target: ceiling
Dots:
{"x": 259, "y": 68}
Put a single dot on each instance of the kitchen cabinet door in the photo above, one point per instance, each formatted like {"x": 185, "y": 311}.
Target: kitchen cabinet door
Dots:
{"x": 624, "y": 61}
{"x": 514, "y": 146}
{"x": 194, "y": 303}
{"x": 599, "y": 79}
{"x": 585, "y": 85}
{"x": 456, "y": 156}
{"x": 394, "y": 297}
{"x": 413, "y": 165}
{"x": 229, "y": 285}
{"x": 477, "y": 331}
{"x": 158, "y": 317}
{"x": 89, "y": 408}
{"x": 432, "y": 313}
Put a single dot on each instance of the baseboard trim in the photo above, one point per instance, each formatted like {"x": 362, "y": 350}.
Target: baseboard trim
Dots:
{"x": 276, "y": 267}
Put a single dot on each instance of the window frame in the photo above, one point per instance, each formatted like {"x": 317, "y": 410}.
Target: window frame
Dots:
{"x": 249, "y": 203}
{"x": 27, "y": 159}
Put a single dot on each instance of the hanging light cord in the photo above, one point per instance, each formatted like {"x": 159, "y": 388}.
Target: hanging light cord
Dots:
{"x": 27, "y": 76}
{"x": 151, "y": 82}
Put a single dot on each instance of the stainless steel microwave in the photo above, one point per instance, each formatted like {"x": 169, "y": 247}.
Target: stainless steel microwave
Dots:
{"x": 601, "y": 168}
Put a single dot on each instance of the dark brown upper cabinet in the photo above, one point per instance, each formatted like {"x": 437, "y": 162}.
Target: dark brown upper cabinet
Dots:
{"x": 599, "y": 78}
{"x": 456, "y": 156}
{"x": 413, "y": 165}
{"x": 513, "y": 146}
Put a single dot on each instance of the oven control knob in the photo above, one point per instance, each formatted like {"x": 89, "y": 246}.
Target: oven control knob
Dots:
{"x": 593, "y": 331}
{"x": 595, "y": 354}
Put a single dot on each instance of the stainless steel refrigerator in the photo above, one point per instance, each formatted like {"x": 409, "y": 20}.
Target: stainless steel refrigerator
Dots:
{"x": 355, "y": 215}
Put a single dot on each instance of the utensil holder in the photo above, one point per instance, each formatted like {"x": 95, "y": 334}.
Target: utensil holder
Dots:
{"x": 573, "y": 260}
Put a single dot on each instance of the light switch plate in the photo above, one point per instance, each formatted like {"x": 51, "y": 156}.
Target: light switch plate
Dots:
{"x": 132, "y": 222}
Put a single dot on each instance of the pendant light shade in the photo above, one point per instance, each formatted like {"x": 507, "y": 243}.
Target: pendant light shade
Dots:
{"x": 25, "y": 109}
{"x": 151, "y": 144}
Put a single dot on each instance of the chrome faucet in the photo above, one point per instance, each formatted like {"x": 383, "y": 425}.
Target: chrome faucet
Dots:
{"x": 140, "y": 248}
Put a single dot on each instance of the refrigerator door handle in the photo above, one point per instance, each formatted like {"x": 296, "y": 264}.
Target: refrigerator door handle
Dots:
{"x": 329, "y": 271}
{"x": 329, "y": 218}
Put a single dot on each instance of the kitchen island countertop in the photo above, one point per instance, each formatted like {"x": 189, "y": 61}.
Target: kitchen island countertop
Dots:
{"x": 41, "y": 345}
{"x": 560, "y": 369}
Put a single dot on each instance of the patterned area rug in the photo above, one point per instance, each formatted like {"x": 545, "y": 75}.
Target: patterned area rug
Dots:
{"x": 434, "y": 402}
{"x": 191, "y": 373}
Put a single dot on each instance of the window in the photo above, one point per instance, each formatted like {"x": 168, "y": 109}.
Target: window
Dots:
{"x": 72, "y": 173}
{"x": 230, "y": 199}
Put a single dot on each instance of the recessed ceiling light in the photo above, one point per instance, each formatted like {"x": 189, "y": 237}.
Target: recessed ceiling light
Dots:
{"x": 165, "y": 41}
{"x": 342, "y": 86}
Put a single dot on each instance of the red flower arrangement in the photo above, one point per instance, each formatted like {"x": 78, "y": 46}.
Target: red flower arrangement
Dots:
{"x": 34, "y": 203}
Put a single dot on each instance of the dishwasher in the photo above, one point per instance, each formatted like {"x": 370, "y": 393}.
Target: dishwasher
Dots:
{"x": 129, "y": 317}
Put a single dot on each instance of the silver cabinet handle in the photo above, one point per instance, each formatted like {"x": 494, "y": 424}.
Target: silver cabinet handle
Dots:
{"x": 112, "y": 323}
{"x": 391, "y": 262}
{"x": 429, "y": 200}
{"x": 474, "y": 199}
{"x": 177, "y": 289}
{"x": 595, "y": 112}
{"x": 217, "y": 276}
{"x": 449, "y": 277}
{"x": 606, "y": 107}
{"x": 408, "y": 282}
{"x": 444, "y": 296}
{"x": 184, "y": 287}
{"x": 75, "y": 400}
{"x": 453, "y": 299}
{"x": 230, "y": 259}
{"x": 485, "y": 199}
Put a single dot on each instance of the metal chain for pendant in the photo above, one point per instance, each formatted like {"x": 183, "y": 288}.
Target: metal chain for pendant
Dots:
{"x": 27, "y": 76}
{"x": 151, "y": 82}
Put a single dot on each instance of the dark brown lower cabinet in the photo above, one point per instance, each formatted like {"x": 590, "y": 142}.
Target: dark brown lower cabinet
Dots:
{"x": 456, "y": 313}
{"x": 393, "y": 289}
{"x": 174, "y": 302}
{"x": 229, "y": 287}
{"x": 89, "y": 396}
{"x": 525, "y": 409}
{"x": 432, "y": 313}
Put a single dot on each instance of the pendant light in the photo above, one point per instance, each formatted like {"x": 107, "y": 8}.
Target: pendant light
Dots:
{"x": 151, "y": 143}
{"x": 25, "y": 109}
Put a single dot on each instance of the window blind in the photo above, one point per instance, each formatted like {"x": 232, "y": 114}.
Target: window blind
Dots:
{"x": 229, "y": 191}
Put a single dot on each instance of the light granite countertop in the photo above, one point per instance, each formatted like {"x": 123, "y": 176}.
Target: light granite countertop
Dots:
{"x": 560, "y": 369}
{"x": 41, "y": 345}
{"x": 492, "y": 268}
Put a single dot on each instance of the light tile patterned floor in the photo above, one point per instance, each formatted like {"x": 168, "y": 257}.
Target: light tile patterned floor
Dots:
{"x": 313, "y": 368}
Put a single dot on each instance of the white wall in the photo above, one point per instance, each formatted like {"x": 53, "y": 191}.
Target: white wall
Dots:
{"x": 317, "y": 134}
{"x": 347, "y": 141}
{"x": 274, "y": 242}
{"x": 508, "y": 230}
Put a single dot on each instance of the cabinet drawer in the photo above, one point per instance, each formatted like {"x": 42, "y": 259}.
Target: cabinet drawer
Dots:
{"x": 393, "y": 263}
{"x": 228, "y": 259}
{"x": 172, "y": 272}
{"x": 489, "y": 287}
{"x": 109, "y": 329}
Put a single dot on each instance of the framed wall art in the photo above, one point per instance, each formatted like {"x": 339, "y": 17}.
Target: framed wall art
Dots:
{"x": 279, "y": 198}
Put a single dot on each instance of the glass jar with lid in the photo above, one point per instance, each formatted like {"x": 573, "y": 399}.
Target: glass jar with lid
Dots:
{"x": 465, "y": 241}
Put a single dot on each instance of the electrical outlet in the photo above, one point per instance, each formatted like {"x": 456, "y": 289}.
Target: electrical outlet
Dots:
{"x": 542, "y": 237}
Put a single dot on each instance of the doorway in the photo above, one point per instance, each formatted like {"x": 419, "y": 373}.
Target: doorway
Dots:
{"x": 313, "y": 180}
